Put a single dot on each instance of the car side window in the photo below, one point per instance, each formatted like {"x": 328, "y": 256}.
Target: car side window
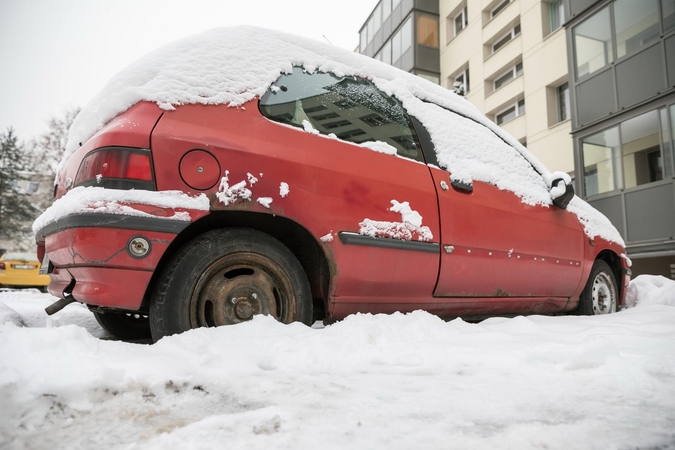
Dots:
{"x": 351, "y": 108}
{"x": 470, "y": 150}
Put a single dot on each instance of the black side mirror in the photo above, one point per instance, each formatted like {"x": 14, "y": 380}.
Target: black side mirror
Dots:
{"x": 561, "y": 198}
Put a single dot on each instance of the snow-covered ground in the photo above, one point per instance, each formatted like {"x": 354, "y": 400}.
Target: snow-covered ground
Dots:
{"x": 369, "y": 382}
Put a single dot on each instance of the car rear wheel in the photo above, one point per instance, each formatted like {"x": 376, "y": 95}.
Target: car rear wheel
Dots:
{"x": 124, "y": 326}
{"x": 225, "y": 277}
{"x": 600, "y": 296}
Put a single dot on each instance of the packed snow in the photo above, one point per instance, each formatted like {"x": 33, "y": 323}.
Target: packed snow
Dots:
{"x": 111, "y": 201}
{"x": 235, "y": 65}
{"x": 409, "y": 228}
{"x": 377, "y": 382}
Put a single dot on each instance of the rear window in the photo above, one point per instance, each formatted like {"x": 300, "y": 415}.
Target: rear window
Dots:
{"x": 350, "y": 108}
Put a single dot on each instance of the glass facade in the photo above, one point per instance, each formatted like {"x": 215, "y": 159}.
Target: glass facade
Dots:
{"x": 593, "y": 43}
{"x": 602, "y": 161}
{"x": 636, "y": 24}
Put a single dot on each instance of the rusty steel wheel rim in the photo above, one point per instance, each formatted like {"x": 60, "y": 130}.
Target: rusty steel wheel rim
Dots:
{"x": 239, "y": 286}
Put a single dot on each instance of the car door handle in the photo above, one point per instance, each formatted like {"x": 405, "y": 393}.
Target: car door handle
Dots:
{"x": 462, "y": 186}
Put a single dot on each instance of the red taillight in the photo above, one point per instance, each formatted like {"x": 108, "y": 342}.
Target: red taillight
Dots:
{"x": 2, "y": 266}
{"x": 115, "y": 163}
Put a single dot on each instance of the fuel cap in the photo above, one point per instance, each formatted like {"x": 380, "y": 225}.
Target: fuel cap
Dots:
{"x": 199, "y": 169}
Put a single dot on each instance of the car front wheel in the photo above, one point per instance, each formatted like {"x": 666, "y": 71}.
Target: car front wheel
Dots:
{"x": 225, "y": 277}
{"x": 600, "y": 296}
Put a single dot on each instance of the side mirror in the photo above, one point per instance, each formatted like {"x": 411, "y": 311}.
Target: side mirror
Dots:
{"x": 561, "y": 193}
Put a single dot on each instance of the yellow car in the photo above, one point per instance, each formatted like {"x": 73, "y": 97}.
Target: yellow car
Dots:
{"x": 22, "y": 270}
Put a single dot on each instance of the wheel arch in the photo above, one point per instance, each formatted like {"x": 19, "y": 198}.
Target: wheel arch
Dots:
{"x": 614, "y": 262}
{"x": 312, "y": 256}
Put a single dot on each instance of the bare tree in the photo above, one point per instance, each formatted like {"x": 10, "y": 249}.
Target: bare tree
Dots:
{"x": 48, "y": 148}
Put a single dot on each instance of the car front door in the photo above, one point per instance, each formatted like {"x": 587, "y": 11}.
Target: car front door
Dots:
{"x": 498, "y": 239}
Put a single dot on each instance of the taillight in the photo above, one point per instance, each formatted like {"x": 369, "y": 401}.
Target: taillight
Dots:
{"x": 2, "y": 266}
{"x": 117, "y": 168}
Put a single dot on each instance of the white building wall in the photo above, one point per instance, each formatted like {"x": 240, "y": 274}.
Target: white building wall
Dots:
{"x": 544, "y": 59}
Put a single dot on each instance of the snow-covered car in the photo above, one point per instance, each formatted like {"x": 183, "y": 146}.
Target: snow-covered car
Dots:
{"x": 244, "y": 171}
{"x": 21, "y": 270}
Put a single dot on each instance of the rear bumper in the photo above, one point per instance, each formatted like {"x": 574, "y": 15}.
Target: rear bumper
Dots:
{"x": 90, "y": 257}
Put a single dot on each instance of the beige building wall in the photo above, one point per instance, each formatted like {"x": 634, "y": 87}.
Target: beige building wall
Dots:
{"x": 544, "y": 68}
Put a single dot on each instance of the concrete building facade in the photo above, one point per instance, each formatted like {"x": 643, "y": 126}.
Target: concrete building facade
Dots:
{"x": 511, "y": 57}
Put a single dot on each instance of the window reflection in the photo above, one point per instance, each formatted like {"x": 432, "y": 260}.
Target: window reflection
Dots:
{"x": 593, "y": 43}
{"x": 641, "y": 146}
{"x": 668, "y": 12}
{"x": 666, "y": 142}
{"x": 602, "y": 159}
{"x": 636, "y": 24}
{"x": 350, "y": 108}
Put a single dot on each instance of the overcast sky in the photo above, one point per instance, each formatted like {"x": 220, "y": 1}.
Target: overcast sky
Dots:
{"x": 57, "y": 54}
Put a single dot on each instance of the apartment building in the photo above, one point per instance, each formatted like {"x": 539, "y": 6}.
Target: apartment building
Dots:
{"x": 404, "y": 33}
{"x": 622, "y": 79}
{"x": 511, "y": 57}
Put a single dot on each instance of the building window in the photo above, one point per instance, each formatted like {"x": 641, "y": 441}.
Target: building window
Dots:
{"x": 499, "y": 8}
{"x": 557, "y": 14}
{"x": 593, "y": 43}
{"x": 377, "y": 18}
{"x": 463, "y": 78}
{"x": 386, "y": 52}
{"x": 364, "y": 39}
{"x": 402, "y": 41}
{"x": 433, "y": 78}
{"x": 386, "y": 9}
{"x": 371, "y": 29}
{"x": 427, "y": 31}
{"x": 602, "y": 159}
{"x": 668, "y": 12}
{"x": 510, "y": 112}
{"x": 502, "y": 41}
{"x": 641, "y": 150}
{"x": 512, "y": 73}
{"x": 563, "y": 100}
{"x": 636, "y": 24}
{"x": 394, "y": 4}
{"x": 461, "y": 21}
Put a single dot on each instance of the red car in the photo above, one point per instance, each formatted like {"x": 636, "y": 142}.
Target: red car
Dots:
{"x": 245, "y": 172}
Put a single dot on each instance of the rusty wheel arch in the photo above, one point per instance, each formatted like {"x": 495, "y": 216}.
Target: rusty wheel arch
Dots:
{"x": 315, "y": 258}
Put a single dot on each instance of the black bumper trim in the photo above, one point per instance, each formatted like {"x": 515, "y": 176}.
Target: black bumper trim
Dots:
{"x": 398, "y": 244}
{"x": 93, "y": 220}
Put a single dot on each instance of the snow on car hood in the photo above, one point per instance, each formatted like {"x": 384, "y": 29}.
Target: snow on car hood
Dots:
{"x": 235, "y": 65}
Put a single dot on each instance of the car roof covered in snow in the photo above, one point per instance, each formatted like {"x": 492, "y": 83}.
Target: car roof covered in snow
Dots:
{"x": 231, "y": 66}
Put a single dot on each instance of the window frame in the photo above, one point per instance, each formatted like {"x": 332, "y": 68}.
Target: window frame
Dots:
{"x": 518, "y": 109}
{"x": 513, "y": 70}
{"x": 466, "y": 76}
{"x": 556, "y": 6}
{"x": 559, "y": 111}
{"x": 511, "y": 34}
{"x": 494, "y": 12}
{"x": 464, "y": 20}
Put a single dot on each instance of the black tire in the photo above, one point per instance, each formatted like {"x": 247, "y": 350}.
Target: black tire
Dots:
{"x": 225, "y": 277}
{"x": 124, "y": 326}
{"x": 601, "y": 295}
